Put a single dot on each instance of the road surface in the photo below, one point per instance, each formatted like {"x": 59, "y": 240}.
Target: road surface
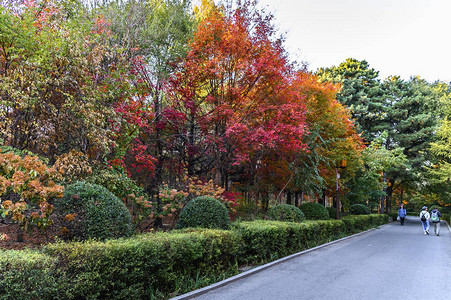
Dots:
{"x": 391, "y": 262}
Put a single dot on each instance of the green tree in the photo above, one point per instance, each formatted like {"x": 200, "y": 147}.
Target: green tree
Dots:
{"x": 439, "y": 173}
{"x": 370, "y": 183}
{"x": 360, "y": 93}
{"x": 410, "y": 122}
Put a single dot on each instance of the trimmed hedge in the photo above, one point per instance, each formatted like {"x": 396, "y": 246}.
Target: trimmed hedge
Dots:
{"x": 447, "y": 218}
{"x": 205, "y": 212}
{"x": 359, "y": 209}
{"x": 29, "y": 274}
{"x": 286, "y": 213}
{"x": 148, "y": 266}
{"x": 314, "y": 211}
{"x": 264, "y": 241}
{"x": 160, "y": 265}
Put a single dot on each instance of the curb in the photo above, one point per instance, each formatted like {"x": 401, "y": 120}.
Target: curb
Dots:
{"x": 224, "y": 282}
{"x": 449, "y": 228}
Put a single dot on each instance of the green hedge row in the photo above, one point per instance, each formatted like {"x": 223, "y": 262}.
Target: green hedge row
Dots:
{"x": 264, "y": 241}
{"x": 142, "y": 267}
{"x": 158, "y": 265}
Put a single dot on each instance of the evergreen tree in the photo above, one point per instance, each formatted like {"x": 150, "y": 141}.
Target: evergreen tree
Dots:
{"x": 360, "y": 92}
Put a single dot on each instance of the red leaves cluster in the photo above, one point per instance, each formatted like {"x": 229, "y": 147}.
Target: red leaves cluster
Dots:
{"x": 235, "y": 86}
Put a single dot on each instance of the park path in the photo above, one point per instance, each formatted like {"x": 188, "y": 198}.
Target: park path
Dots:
{"x": 391, "y": 262}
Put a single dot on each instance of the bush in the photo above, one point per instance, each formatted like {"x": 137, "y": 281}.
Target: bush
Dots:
{"x": 356, "y": 224}
{"x": 119, "y": 184}
{"x": 29, "y": 274}
{"x": 286, "y": 213}
{"x": 148, "y": 266}
{"x": 314, "y": 211}
{"x": 359, "y": 209}
{"x": 206, "y": 212}
{"x": 163, "y": 264}
{"x": 90, "y": 211}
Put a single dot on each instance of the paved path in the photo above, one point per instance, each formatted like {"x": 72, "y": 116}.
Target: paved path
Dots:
{"x": 392, "y": 262}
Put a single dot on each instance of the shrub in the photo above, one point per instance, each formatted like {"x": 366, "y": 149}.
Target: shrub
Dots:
{"x": 359, "y": 209}
{"x": 148, "y": 266}
{"x": 27, "y": 190}
{"x": 29, "y": 274}
{"x": 314, "y": 211}
{"x": 163, "y": 264}
{"x": 119, "y": 184}
{"x": 206, "y": 212}
{"x": 286, "y": 212}
{"x": 91, "y": 211}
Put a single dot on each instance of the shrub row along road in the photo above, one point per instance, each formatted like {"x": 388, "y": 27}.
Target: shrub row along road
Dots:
{"x": 391, "y": 262}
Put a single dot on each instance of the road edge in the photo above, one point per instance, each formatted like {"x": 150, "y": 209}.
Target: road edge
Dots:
{"x": 224, "y": 282}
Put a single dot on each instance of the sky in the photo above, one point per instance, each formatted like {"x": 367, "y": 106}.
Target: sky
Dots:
{"x": 396, "y": 37}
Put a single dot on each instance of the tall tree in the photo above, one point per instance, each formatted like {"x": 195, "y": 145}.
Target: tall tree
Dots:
{"x": 410, "y": 123}
{"x": 440, "y": 171}
{"x": 234, "y": 92}
{"x": 331, "y": 138}
{"x": 58, "y": 81}
{"x": 360, "y": 93}
{"x": 153, "y": 34}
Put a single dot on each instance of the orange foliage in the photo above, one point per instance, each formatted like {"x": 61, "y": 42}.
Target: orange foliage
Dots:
{"x": 33, "y": 182}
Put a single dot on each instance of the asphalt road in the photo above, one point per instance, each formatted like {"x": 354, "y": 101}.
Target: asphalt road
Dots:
{"x": 391, "y": 262}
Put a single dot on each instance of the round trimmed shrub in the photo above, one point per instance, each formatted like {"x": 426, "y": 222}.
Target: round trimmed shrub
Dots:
{"x": 206, "y": 212}
{"x": 314, "y": 211}
{"x": 359, "y": 209}
{"x": 286, "y": 213}
{"x": 90, "y": 211}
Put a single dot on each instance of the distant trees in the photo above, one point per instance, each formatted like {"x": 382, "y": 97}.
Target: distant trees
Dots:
{"x": 404, "y": 113}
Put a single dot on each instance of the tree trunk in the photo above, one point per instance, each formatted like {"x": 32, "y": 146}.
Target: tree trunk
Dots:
{"x": 385, "y": 195}
{"x": 19, "y": 235}
{"x": 190, "y": 154}
{"x": 389, "y": 194}
{"x": 296, "y": 199}
{"x": 289, "y": 197}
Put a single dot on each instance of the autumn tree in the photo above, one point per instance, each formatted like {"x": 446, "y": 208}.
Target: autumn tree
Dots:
{"x": 27, "y": 190}
{"x": 152, "y": 34}
{"x": 331, "y": 138}
{"x": 234, "y": 97}
{"x": 59, "y": 79}
{"x": 439, "y": 173}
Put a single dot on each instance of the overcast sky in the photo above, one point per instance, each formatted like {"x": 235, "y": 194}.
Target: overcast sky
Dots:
{"x": 396, "y": 37}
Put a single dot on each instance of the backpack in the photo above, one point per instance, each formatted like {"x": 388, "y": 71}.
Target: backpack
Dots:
{"x": 434, "y": 217}
{"x": 423, "y": 217}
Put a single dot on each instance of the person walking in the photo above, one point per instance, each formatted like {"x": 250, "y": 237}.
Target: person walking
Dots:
{"x": 435, "y": 218}
{"x": 424, "y": 217}
{"x": 402, "y": 214}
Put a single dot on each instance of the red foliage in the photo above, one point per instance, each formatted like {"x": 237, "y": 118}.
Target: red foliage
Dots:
{"x": 234, "y": 89}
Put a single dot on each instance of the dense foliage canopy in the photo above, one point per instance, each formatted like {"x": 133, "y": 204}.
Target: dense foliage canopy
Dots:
{"x": 205, "y": 102}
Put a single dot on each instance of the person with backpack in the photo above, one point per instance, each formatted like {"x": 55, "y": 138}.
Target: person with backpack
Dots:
{"x": 435, "y": 218}
{"x": 402, "y": 214}
{"x": 424, "y": 217}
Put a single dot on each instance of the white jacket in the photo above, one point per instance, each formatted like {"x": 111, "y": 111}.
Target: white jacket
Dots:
{"x": 426, "y": 214}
